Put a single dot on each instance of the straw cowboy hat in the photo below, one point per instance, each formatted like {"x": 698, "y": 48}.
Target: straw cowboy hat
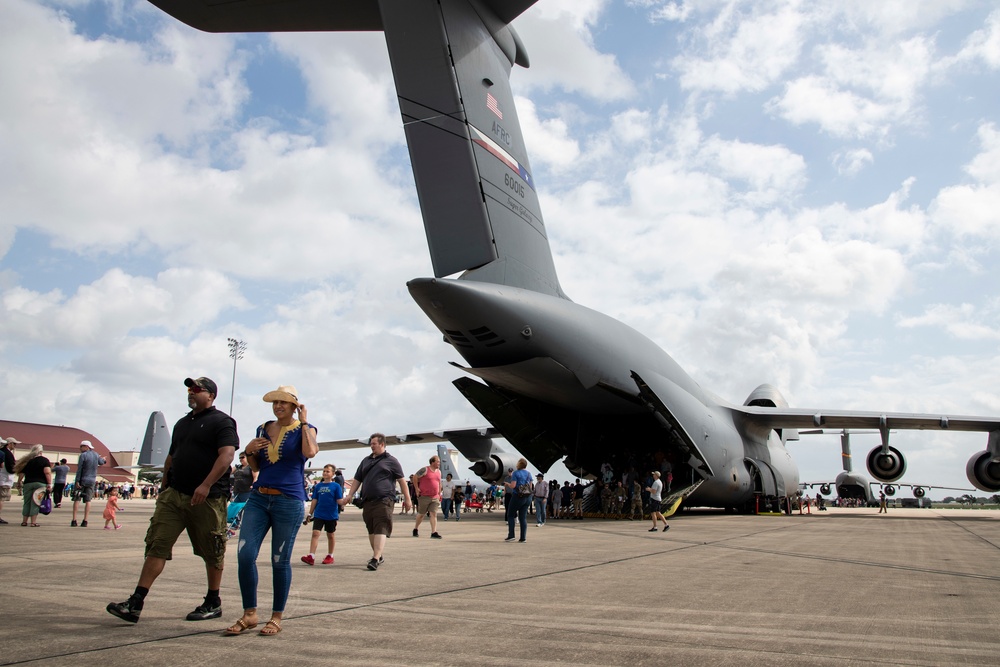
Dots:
{"x": 285, "y": 392}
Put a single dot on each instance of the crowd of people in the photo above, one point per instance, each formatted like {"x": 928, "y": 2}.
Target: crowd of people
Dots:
{"x": 199, "y": 481}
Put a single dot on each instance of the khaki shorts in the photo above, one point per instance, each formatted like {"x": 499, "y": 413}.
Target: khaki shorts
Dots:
{"x": 84, "y": 492}
{"x": 4, "y": 494}
{"x": 205, "y": 525}
{"x": 427, "y": 504}
{"x": 378, "y": 516}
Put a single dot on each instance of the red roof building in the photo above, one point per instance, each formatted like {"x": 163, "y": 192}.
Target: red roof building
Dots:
{"x": 63, "y": 442}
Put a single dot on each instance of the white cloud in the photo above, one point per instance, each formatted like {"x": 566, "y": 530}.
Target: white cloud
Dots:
{"x": 743, "y": 49}
{"x": 561, "y": 49}
{"x": 853, "y": 161}
{"x": 970, "y": 208}
{"x": 984, "y": 44}
{"x": 962, "y": 321}
{"x": 109, "y": 308}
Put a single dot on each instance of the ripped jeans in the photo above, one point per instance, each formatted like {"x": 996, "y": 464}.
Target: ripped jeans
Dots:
{"x": 282, "y": 515}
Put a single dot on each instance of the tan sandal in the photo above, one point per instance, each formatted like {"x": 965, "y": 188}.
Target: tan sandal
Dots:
{"x": 239, "y": 627}
{"x": 275, "y": 624}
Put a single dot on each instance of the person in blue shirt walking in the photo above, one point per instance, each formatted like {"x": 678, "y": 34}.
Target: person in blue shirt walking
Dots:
{"x": 277, "y": 504}
{"x": 324, "y": 511}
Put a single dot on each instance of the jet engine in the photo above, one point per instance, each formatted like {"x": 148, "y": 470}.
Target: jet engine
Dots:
{"x": 824, "y": 490}
{"x": 886, "y": 467}
{"x": 494, "y": 468}
{"x": 890, "y": 490}
{"x": 983, "y": 472}
{"x": 918, "y": 492}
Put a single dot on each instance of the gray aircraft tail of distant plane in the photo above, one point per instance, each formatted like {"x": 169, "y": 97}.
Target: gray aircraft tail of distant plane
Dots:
{"x": 155, "y": 444}
{"x": 555, "y": 379}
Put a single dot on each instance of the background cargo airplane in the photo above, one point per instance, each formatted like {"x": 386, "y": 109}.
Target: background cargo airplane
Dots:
{"x": 554, "y": 378}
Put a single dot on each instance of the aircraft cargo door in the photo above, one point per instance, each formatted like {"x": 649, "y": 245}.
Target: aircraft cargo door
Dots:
{"x": 764, "y": 481}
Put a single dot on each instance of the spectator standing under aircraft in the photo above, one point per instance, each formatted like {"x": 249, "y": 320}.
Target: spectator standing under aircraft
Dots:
{"x": 578, "y": 500}
{"x": 193, "y": 497}
{"x": 519, "y": 483}
{"x": 540, "y": 497}
{"x": 428, "y": 488}
{"x": 566, "y": 500}
{"x": 377, "y": 476}
{"x": 636, "y": 503}
{"x": 882, "y": 506}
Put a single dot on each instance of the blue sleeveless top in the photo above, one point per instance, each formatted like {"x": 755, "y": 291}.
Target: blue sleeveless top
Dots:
{"x": 282, "y": 465}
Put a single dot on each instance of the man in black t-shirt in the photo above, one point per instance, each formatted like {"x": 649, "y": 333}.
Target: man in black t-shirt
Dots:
{"x": 193, "y": 497}
{"x": 378, "y": 476}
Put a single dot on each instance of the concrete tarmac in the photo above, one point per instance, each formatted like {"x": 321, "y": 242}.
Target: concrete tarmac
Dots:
{"x": 843, "y": 587}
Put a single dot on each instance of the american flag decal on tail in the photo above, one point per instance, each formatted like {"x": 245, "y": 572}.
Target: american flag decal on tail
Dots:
{"x": 492, "y": 105}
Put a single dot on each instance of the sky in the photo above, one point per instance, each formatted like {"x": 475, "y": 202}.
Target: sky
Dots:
{"x": 803, "y": 194}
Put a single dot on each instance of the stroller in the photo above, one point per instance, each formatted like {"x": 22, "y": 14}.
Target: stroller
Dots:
{"x": 234, "y": 514}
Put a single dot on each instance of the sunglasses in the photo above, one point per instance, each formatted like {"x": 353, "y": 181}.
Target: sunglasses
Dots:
{"x": 196, "y": 389}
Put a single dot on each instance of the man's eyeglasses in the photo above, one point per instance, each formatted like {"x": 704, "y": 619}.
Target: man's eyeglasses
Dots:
{"x": 196, "y": 389}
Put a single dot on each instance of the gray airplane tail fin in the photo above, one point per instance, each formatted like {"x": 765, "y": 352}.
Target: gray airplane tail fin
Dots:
{"x": 451, "y": 62}
{"x": 155, "y": 442}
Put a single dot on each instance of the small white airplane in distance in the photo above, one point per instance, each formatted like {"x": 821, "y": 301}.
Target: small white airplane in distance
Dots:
{"x": 554, "y": 378}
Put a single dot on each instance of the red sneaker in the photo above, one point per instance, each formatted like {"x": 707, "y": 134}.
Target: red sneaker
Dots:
{"x": 308, "y": 559}
{"x": 328, "y": 560}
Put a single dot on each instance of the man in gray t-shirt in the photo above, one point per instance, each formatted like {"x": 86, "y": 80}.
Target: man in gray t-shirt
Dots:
{"x": 86, "y": 479}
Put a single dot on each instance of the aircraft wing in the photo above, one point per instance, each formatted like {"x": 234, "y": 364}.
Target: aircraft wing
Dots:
{"x": 804, "y": 418}
{"x": 415, "y": 438}
{"x": 298, "y": 15}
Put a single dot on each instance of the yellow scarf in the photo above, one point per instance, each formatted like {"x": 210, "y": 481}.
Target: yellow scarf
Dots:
{"x": 274, "y": 448}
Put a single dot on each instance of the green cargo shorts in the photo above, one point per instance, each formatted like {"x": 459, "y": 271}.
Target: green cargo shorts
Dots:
{"x": 205, "y": 525}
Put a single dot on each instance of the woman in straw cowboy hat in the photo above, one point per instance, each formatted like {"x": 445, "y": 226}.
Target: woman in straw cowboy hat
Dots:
{"x": 36, "y": 472}
{"x": 279, "y": 454}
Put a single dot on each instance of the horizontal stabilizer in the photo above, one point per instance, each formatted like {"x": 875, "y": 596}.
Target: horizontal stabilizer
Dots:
{"x": 299, "y": 15}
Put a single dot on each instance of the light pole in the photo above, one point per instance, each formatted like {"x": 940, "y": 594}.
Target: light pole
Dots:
{"x": 236, "y": 350}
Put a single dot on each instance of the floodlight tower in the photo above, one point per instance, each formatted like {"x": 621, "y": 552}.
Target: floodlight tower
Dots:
{"x": 236, "y": 350}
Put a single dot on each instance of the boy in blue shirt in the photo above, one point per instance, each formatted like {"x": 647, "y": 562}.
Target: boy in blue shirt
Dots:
{"x": 324, "y": 513}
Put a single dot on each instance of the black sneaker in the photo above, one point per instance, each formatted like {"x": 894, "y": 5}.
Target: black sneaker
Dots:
{"x": 205, "y": 611}
{"x": 73, "y": 524}
{"x": 373, "y": 564}
{"x": 128, "y": 610}
{"x": 436, "y": 536}
{"x": 666, "y": 528}
{"x": 416, "y": 533}
{"x": 83, "y": 524}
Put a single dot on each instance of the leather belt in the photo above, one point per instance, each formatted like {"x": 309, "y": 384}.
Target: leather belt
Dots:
{"x": 268, "y": 491}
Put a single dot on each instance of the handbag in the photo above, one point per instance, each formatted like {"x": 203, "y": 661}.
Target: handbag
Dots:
{"x": 45, "y": 507}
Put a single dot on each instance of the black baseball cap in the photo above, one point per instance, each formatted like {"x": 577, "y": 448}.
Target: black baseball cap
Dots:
{"x": 205, "y": 383}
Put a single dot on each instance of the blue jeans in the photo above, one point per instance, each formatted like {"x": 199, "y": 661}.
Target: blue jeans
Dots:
{"x": 282, "y": 515}
{"x": 539, "y": 510}
{"x": 446, "y": 507}
{"x": 519, "y": 510}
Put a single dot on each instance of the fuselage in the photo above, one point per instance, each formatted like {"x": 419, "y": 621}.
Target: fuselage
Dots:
{"x": 576, "y": 359}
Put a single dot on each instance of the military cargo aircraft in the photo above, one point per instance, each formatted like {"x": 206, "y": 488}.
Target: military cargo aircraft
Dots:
{"x": 552, "y": 377}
